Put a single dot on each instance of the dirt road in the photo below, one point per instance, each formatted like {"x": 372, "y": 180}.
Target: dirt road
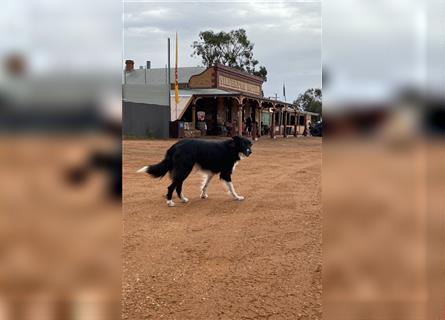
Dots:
{"x": 219, "y": 258}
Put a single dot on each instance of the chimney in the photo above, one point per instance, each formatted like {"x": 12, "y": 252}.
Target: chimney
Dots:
{"x": 129, "y": 65}
{"x": 148, "y": 64}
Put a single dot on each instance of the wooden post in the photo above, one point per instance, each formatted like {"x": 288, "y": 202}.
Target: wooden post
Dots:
{"x": 305, "y": 125}
{"x": 259, "y": 121}
{"x": 285, "y": 124}
{"x": 299, "y": 126}
{"x": 272, "y": 126}
{"x": 295, "y": 124}
{"x": 194, "y": 116}
{"x": 233, "y": 114}
{"x": 240, "y": 120}
{"x": 281, "y": 121}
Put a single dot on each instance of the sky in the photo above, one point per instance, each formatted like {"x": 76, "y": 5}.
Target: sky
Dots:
{"x": 287, "y": 36}
{"x": 374, "y": 49}
{"x": 369, "y": 49}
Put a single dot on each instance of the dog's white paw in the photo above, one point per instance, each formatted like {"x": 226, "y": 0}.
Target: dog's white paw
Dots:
{"x": 170, "y": 203}
{"x": 204, "y": 195}
{"x": 239, "y": 198}
{"x": 184, "y": 199}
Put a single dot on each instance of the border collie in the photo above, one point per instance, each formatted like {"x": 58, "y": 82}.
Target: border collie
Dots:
{"x": 212, "y": 157}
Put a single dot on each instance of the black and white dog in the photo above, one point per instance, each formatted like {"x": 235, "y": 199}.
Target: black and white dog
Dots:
{"x": 212, "y": 157}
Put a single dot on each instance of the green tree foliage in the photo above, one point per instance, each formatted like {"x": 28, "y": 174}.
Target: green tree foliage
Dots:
{"x": 310, "y": 100}
{"x": 232, "y": 49}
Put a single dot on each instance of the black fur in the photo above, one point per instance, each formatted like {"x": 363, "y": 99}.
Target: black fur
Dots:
{"x": 159, "y": 170}
{"x": 218, "y": 157}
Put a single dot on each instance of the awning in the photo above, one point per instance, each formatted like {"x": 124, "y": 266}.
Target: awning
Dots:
{"x": 177, "y": 110}
{"x": 185, "y": 98}
{"x": 186, "y": 95}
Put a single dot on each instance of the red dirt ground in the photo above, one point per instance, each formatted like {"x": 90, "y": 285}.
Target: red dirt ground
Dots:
{"x": 219, "y": 258}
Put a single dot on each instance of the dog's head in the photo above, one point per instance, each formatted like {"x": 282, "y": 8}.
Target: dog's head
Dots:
{"x": 243, "y": 145}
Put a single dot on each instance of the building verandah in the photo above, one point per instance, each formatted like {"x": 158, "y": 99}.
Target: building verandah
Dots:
{"x": 226, "y": 115}
{"x": 217, "y": 101}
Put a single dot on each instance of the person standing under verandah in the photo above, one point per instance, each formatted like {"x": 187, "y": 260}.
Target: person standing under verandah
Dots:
{"x": 256, "y": 131}
{"x": 249, "y": 126}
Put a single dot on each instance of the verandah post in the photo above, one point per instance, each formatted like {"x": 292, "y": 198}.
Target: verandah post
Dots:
{"x": 272, "y": 127}
{"x": 194, "y": 116}
{"x": 240, "y": 120}
{"x": 285, "y": 124}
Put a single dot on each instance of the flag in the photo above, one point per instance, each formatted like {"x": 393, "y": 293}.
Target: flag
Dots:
{"x": 284, "y": 91}
{"x": 176, "y": 75}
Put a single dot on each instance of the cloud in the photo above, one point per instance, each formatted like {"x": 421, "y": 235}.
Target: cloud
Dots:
{"x": 287, "y": 36}
{"x": 377, "y": 46}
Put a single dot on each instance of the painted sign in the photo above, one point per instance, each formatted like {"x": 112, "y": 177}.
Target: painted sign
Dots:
{"x": 239, "y": 85}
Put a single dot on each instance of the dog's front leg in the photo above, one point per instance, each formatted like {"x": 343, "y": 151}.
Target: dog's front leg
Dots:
{"x": 226, "y": 178}
{"x": 232, "y": 191}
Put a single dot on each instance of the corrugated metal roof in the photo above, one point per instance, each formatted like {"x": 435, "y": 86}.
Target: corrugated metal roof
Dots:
{"x": 140, "y": 93}
{"x": 159, "y": 75}
{"x": 210, "y": 91}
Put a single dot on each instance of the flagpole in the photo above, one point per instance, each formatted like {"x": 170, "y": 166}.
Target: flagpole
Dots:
{"x": 284, "y": 91}
{"x": 176, "y": 78}
{"x": 168, "y": 77}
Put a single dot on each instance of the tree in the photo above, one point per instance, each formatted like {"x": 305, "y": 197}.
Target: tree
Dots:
{"x": 232, "y": 49}
{"x": 310, "y": 101}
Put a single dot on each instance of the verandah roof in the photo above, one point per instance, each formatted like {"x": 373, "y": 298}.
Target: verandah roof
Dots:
{"x": 186, "y": 95}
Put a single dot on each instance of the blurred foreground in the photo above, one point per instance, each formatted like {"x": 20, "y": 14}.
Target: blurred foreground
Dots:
{"x": 60, "y": 240}
{"x": 60, "y": 160}
{"x": 383, "y": 169}
{"x": 383, "y": 229}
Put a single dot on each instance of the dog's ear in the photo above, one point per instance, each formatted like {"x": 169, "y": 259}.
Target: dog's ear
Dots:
{"x": 235, "y": 142}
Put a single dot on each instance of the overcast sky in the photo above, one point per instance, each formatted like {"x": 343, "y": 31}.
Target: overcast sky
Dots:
{"x": 373, "y": 49}
{"x": 287, "y": 36}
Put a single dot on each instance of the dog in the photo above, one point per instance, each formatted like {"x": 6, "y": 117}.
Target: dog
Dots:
{"x": 212, "y": 157}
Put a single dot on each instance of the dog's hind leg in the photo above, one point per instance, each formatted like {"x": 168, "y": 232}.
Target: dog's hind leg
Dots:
{"x": 179, "y": 176}
{"x": 179, "y": 192}
{"x": 205, "y": 185}
{"x": 170, "y": 190}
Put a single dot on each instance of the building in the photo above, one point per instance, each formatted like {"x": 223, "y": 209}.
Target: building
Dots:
{"x": 212, "y": 101}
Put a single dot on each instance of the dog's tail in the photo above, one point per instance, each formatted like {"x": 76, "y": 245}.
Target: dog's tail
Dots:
{"x": 158, "y": 170}
{"x": 143, "y": 169}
